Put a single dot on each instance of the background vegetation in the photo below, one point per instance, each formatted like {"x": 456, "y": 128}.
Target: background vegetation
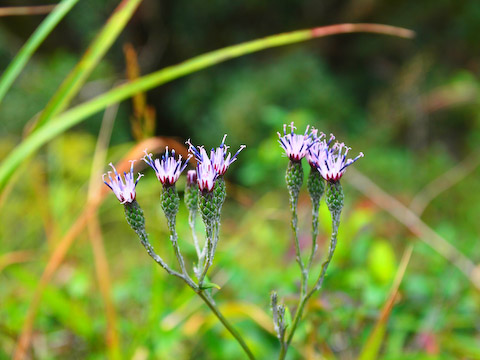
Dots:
{"x": 74, "y": 280}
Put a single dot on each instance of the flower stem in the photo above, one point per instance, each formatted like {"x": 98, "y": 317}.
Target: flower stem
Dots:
{"x": 211, "y": 304}
{"x": 176, "y": 248}
{"x": 315, "y": 209}
{"x": 207, "y": 259}
{"x": 305, "y": 296}
{"x": 191, "y": 223}
{"x": 331, "y": 250}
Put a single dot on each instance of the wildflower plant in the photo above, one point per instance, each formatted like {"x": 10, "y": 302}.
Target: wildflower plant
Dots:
{"x": 205, "y": 192}
{"x": 327, "y": 164}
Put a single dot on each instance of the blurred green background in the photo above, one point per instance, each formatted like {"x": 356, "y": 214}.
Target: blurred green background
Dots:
{"x": 410, "y": 105}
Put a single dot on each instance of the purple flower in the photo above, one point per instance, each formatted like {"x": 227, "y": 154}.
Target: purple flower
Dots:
{"x": 206, "y": 173}
{"x": 219, "y": 158}
{"x": 168, "y": 169}
{"x": 123, "y": 190}
{"x": 316, "y": 151}
{"x": 333, "y": 163}
{"x": 210, "y": 168}
{"x": 295, "y": 146}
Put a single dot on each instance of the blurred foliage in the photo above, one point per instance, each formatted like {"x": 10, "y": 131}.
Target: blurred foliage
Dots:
{"x": 411, "y": 106}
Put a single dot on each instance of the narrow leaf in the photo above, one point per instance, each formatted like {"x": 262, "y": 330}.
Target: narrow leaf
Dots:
{"x": 81, "y": 112}
{"x": 100, "y": 45}
{"x": 26, "y": 52}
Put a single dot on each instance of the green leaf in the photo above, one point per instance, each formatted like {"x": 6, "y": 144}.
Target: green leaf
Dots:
{"x": 32, "y": 44}
{"x": 89, "y": 61}
{"x": 66, "y": 120}
{"x": 210, "y": 285}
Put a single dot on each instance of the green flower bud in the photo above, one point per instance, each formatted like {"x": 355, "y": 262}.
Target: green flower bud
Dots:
{"x": 219, "y": 194}
{"x": 208, "y": 209}
{"x": 294, "y": 177}
{"x": 170, "y": 201}
{"x": 334, "y": 196}
{"x": 134, "y": 216}
{"x": 315, "y": 185}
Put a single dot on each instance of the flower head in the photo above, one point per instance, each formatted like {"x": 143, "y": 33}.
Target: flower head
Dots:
{"x": 333, "y": 163}
{"x": 123, "y": 190}
{"x": 206, "y": 173}
{"x": 316, "y": 152}
{"x": 168, "y": 169}
{"x": 295, "y": 146}
{"x": 219, "y": 158}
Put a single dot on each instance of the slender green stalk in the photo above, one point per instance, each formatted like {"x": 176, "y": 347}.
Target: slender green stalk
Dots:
{"x": 211, "y": 304}
{"x": 298, "y": 255}
{"x": 191, "y": 224}
{"x": 66, "y": 120}
{"x": 315, "y": 209}
{"x": 321, "y": 277}
{"x": 32, "y": 44}
{"x": 95, "y": 52}
{"x": 331, "y": 250}
{"x": 204, "y": 295}
{"x": 176, "y": 249}
{"x": 207, "y": 257}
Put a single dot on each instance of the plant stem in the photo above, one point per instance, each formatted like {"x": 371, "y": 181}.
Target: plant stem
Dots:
{"x": 191, "y": 223}
{"x": 304, "y": 296}
{"x": 331, "y": 250}
{"x": 176, "y": 248}
{"x": 315, "y": 209}
{"x": 211, "y": 304}
{"x": 298, "y": 256}
{"x": 205, "y": 296}
{"x": 150, "y": 251}
{"x": 210, "y": 229}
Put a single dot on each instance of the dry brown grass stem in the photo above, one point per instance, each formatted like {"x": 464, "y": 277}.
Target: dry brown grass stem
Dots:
{"x": 26, "y": 10}
{"x": 411, "y": 220}
{"x": 444, "y": 182}
{"x": 15, "y": 257}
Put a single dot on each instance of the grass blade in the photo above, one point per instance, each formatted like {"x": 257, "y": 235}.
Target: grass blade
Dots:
{"x": 81, "y": 112}
{"x": 26, "y": 10}
{"x": 18, "y": 63}
{"x": 95, "y": 52}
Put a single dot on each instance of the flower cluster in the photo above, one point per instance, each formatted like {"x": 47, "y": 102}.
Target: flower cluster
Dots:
{"x": 330, "y": 160}
{"x": 210, "y": 168}
{"x": 169, "y": 168}
{"x": 123, "y": 190}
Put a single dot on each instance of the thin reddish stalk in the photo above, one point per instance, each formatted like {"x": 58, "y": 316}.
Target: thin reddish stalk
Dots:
{"x": 26, "y": 10}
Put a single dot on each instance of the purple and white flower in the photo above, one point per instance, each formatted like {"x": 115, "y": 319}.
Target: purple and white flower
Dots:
{"x": 210, "y": 168}
{"x": 123, "y": 190}
{"x": 333, "y": 163}
{"x": 295, "y": 146}
{"x": 219, "y": 158}
{"x": 168, "y": 169}
{"x": 316, "y": 151}
{"x": 206, "y": 173}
